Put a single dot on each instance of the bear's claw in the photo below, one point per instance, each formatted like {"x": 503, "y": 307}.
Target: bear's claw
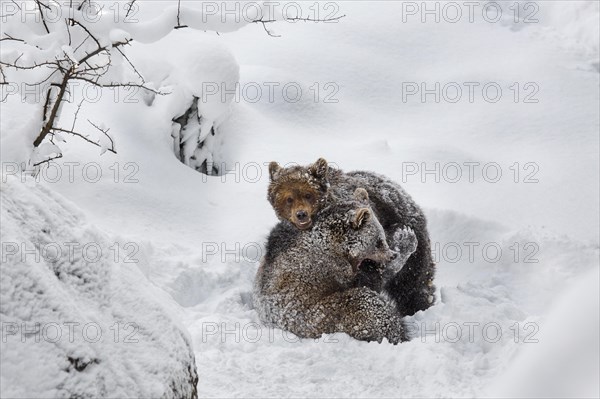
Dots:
{"x": 404, "y": 243}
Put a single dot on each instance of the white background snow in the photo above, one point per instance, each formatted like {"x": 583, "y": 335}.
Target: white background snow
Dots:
{"x": 527, "y": 317}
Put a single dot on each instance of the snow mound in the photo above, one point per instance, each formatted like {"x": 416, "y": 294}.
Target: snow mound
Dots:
{"x": 574, "y": 24}
{"x": 79, "y": 319}
{"x": 202, "y": 82}
{"x": 565, "y": 363}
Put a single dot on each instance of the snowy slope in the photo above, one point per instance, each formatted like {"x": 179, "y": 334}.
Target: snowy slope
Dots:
{"x": 201, "y": 236}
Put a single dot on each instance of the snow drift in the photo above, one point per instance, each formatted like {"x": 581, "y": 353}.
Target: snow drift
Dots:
{"x": 78, "y": 317}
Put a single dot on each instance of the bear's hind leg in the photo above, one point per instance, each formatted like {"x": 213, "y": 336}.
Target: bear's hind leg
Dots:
{"x": 361, "y": 313}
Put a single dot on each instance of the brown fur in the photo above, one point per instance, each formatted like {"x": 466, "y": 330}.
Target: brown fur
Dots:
{"x": 305, "y": 282}
{"x": 409, "y": 277}
{"x": 297, "y": 193}
{"x": 294, "y": 199}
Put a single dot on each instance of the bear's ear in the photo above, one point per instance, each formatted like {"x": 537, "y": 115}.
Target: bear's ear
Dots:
{"x": 319, "y": 169}
{"x": 274, "y": 169}
{"x": 361, "y": 195}
{"x": 361, "y": 216}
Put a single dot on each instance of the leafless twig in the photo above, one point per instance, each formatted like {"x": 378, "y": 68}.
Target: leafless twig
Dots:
{"x": 48, "y": 160}
{"x": 40, "y": 5}
{"x": 129, "y": 8}
{"x": 105, "y": 131}
{"x": 264, "y": 22}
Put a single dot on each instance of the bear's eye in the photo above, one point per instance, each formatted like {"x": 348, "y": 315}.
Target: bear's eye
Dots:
{"x": 289, "y": 200}
{"x": 308, "y": 196}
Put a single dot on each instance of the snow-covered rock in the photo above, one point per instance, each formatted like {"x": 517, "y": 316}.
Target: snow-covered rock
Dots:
{"x": 201, "y": 76}
{"x": 79, "y": 319}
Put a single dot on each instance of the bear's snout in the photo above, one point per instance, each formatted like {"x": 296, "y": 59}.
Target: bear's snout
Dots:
{"x": 302, "y": 219}
{"x": 301, "y": 215}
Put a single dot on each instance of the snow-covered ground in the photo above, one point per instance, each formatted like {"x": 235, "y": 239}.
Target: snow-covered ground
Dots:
{"x": 515, "y": 232}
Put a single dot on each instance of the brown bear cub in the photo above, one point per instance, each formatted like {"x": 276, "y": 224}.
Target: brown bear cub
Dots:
{"x": 299, "y": 193}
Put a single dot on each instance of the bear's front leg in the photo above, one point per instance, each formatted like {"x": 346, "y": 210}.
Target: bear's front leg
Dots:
{"x": 404, "y": 243}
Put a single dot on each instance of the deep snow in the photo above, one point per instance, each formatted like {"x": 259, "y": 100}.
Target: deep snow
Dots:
{"x": 203, "y": 235}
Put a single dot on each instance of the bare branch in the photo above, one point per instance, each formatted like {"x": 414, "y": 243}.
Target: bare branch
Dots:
{"x": 105, "y": 131}
{"x": 34, "y": 66}
{"x": 68, "y": 30}
{"x": 75, "y": 22}
{"x": 3, "y": 16}
{"x": 178, "y": 15}
{"x": 46, "y": 105}
{"x": 179, "y": 26}
{"x": 39, "y": 83}
{"x": 40, "y": 4}
{"x": 81, "y": 44}
{"x": 81, "y": 5}
{"x": 264, "y": 22}
{"x": 131, "y": 64}
{"x": 101, "y": 49}
{"x": 308, "y": 19}
{"x": 58, "y": 129}
{"x": 113, "y": 84}
{"x": 54, "y": 112}
{"x": 98, "y": 70}
{"x": 129, "y": 8}
{"x": 48, "y": 160}
{"x": 264, "y": 25}
{"x": 84, "y": 67}
{"x": 9, "y": 37}
{"x": 76, "y": 113}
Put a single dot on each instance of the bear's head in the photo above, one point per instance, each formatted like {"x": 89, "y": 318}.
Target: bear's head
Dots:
{"x": 297, "y": 193}
{"x": 357, "y": 233}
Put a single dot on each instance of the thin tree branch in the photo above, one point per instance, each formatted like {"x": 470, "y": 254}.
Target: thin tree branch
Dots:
{"x": 264, "y": 25}
{"x": 54, "y": 112}
{"x": 46, "y": 105}
{"x": 58, "y": 129}
{"x": 48, "y": 160}
{"x": 178, "y": 14}
{"x": 105, "y": 131}
{"x": 113, "y": 84}
{"x": 75, "y": 22}
{"x": 43, "y": 80}
{"x": 34, "y": 66}
{"x": 76, "y": 113}
{"x": 264, "y": 22}
{"x": 40, "y": 4}
{"x": 68, "y": 30}
{"x": 81, "y": 5}
{"x": 132, "y": 66}
{"x": 9, "y": 37}
{"x": 129, "y": 8}
{"x": 308, "y": 19}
